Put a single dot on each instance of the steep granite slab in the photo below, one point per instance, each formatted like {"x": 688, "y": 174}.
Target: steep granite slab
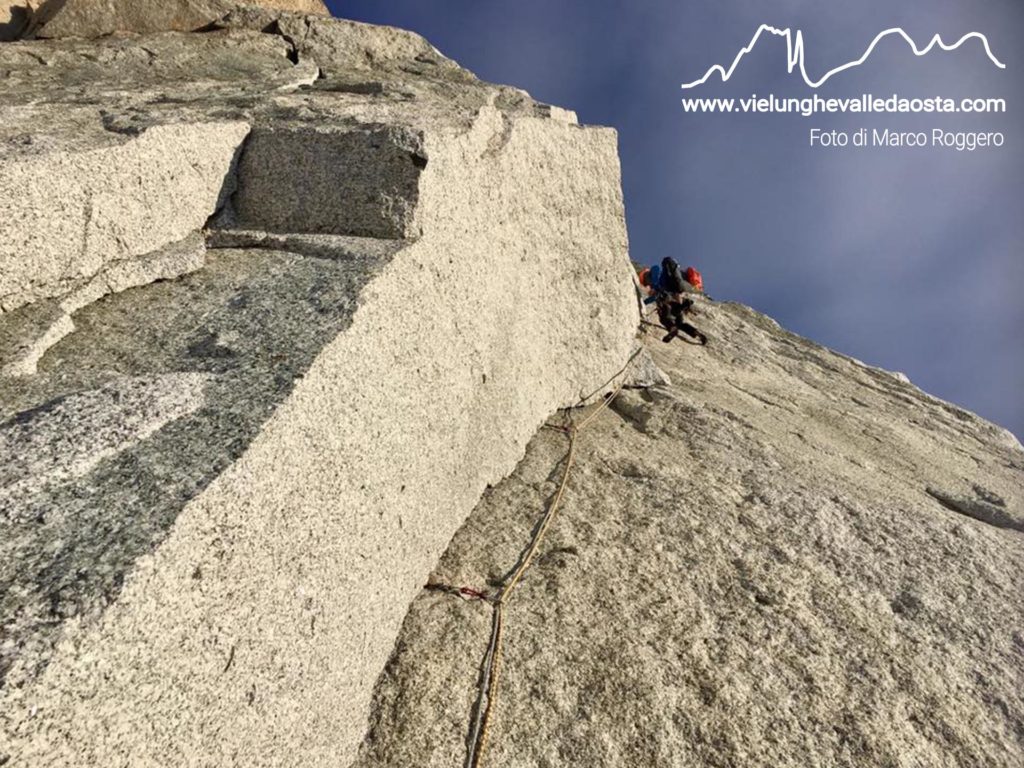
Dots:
{"x": 754, "y": 565}
{"x": 229, "y": 586}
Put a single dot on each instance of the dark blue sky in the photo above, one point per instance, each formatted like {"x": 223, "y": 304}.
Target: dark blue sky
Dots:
{"x": 910, "y": 259}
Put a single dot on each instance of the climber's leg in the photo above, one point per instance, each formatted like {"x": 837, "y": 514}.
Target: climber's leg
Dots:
{"x": 692, "y": 332}
{"x": 665, "y": 316}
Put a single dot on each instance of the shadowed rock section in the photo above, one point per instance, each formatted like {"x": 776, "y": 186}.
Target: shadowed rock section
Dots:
{"x": 310, "y": 179}
{"x": 28, "y": 333}
{"x": 302, "y": 300}
{"x": 981, "y": 505}
{"x": 64, "y": 439}
{"x": 101, "y": 473}
{"x": 14, "y": 19}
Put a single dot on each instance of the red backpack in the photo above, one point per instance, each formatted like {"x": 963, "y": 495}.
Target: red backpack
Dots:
{"x": 693, "y": 278}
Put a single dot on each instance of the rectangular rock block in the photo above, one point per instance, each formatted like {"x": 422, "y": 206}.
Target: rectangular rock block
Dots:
{"x": 71, "y": 213}
{"x": 306, "y": 179}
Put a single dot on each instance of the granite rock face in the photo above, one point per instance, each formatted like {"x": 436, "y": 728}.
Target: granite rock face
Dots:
{"x": 783, "y": 558}
{"x": 72, "y": 214}
{"x": 280, "y": 300}
{"x": 95, "y": 18}
{"x": 374, "y": 194}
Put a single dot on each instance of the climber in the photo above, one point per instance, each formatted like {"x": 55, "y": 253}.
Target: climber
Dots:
{"x": 666, "y": 283}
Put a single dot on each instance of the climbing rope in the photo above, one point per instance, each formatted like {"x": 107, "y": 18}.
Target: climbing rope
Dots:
{"x": 491, "y": 666}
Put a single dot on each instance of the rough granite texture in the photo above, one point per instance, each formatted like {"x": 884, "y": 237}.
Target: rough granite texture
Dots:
{"x": 281, "y": 300}
{"x": 776, "y": 561}
{"x": 235, "y": 472}
{"x": 95, "y": 18}
{"x": 28, "y": 333}
{"x": 372, "y": 192}
{"x": 70, "y": 214}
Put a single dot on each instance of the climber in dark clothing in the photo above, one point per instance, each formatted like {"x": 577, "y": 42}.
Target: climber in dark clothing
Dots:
{"x": 666, "y": 283}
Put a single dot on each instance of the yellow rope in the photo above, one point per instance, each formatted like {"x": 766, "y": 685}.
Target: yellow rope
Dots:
{"x": 479, "y": 744}
{"x": 489, "y": 679}
{"x": 548, "y": 516}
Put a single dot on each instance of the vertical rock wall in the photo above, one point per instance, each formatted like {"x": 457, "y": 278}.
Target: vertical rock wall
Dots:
{"x": 254, "y": 632}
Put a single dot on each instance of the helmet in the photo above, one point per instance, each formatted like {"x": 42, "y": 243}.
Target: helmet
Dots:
{"x": 645, "y": 277}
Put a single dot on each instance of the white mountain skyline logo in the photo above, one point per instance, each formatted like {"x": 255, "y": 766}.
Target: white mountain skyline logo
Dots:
{"x": 795, "y": 53}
